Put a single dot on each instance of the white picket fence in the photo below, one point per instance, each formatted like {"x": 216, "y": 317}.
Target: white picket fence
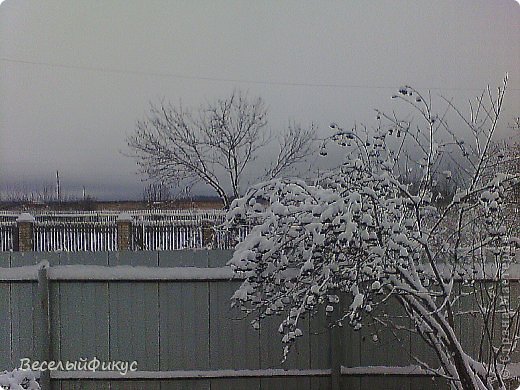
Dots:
{"x": 166, "y": 235}
{"x": 7, "y": 235}
{"x": 97, "y": 231}
{"x": 74, "y": 236}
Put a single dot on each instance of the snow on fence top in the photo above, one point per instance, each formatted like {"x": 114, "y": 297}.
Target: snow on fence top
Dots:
{"x": 96, "y": 273}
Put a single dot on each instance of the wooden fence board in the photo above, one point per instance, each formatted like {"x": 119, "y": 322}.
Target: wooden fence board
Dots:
{"x": 319, "y": 341}
{"x": 5, "y": 259}
{"x": 233, "y": 343}
{"x": 429, "y": 383}
{"x": 271, "y": 354}
{"x": 351, "y": 344}
{"x": 319, "y": 344}
{"x": 188, "y": 258}
{"x": 375, "y": 343}
{"x": 185, "y": 385}
{"x": 271, "y": 347}
{"x": 285, "y": 383}
{"x": 218, "y": 257}
{"x": 54, "y": 258}
{"x": 5, "y": 328}
{"x": 134, "y": 320}
{"x": 178, "y": 324}
{"x": 514, "y": 297}
{"x": 22, "y": 320}
{"x": 235, "y": 384}
{"x": 184, "y": 316}
{"x": 79, "y": 385}
{"x": 83, "y": 335}
{"x": 5, "y": 319}
{"x": 23, "y": 297}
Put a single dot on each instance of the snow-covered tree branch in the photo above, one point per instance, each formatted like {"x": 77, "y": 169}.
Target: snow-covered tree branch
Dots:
{"x": 365, "y": 232}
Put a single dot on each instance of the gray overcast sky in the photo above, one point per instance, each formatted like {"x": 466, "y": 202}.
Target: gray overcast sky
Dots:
{"x": 117, "y": 56}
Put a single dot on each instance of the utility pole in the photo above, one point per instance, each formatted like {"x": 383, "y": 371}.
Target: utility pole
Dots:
{"x": 58, "y": 193}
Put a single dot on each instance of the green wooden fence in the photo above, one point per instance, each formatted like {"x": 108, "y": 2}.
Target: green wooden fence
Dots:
{"x": 174, "y": 318}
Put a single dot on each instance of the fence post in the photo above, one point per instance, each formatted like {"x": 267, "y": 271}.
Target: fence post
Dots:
{"x": 44, "y": 328}
{"x": 25, "y": 227}
{"x": 124, "y": 232}
{"x": 208, "y": 234}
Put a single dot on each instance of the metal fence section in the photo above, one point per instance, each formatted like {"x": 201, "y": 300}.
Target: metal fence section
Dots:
{"x": 99, "y": 231}
{"x": 8, "y": 233}
{"x": 228, "y": 238}
{"x": 74, "y": 236}
{"x": 165, "y": 235}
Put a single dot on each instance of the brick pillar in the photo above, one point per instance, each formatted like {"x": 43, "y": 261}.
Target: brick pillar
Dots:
{"x": 208, "y": 234}
{"x": 25, "y": 225}
{"x": 124, "y": 232}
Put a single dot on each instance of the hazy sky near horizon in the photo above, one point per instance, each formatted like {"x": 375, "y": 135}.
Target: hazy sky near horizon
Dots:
{"x": 75, "y": 76}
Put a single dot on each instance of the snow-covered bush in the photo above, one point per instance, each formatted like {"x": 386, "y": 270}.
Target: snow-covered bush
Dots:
{"x": 368, "y": 232}
{"x": 18, "y": 380}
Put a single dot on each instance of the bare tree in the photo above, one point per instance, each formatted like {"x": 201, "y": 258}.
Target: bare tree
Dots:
{"x": 215, "y": 145}
{"x": 156, "y": 192}
{"x": 23, "y": 193}
{"x": 363, "y": 236}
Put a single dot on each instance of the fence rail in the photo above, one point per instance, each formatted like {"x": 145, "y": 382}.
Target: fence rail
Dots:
{"x": 111, "y": 215}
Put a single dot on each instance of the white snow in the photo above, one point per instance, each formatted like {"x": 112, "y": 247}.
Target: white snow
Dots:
{"x": 124, "y": 217}
{"x": 25, "y": 217}
{"x": 19, "y": 380}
